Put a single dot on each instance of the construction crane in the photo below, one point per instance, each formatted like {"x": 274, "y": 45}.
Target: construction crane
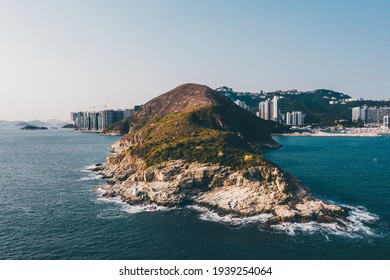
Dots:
{"x": 105, "y": 104}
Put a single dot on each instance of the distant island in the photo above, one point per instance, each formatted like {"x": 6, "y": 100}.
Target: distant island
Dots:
{"x": 69, "y": 125}
{"x": 32, "y": 127}
{"x": 194, "y": 146}
{"x": 48, "y": 123}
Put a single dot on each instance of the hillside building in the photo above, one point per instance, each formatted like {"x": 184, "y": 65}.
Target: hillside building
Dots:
{"x": 296, "y": 118}
{"x": 375, "y": 115}
{"x": 370, "y": 115}
{"x": 97, "y": 121}
{"x": 242, "y": 104}
{"x": 386, "y": 123}
{"x": 273, "y": 109}
{"x": 359, "y": 114}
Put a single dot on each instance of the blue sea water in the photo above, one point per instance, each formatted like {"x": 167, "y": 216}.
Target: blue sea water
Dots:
{"x": 50, "y": 210}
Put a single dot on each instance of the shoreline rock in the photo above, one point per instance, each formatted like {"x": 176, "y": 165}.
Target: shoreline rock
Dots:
{"x": 260, "y": 190}
{"x": 193, "y": 146}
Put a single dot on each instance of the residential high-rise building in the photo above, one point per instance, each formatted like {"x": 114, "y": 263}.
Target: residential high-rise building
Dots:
{"x": 375, "y": 114}
{"x": 73, "y": 118}
{"x": 94, "y": 120}
{"x": 355, "y": 114}
{"x": 278, "y": 109}
{"x": 370, "y": 115}
{"x": 273, "y": 109}
{"x": 98, "y": 120}
{"x": 242, "y": 104}
{"x": 265, "y": 110}
{"x": 359, "y": 114}
{"x": 296, "y": 118}
{"x": 363, "y": 113}
{"x": 127, "y": 113}
{"x": 386, "y": 123}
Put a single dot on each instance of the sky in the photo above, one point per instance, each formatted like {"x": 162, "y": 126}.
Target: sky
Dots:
{"x": 73, "y": 55}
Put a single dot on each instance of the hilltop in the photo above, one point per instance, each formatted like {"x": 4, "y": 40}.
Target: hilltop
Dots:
{"x": 195, "y": 123}
{"x": 194, "y": 146}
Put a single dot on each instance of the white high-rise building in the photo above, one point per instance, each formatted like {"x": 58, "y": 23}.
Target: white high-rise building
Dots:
{"x": 265, "y": 110}
{"x": 296, "y": 118}
{"x": 375, "y": 114}
{"x": 275, "y": 108}
{"x": 363, "y": 113}
{"x": 359, "y": 114}
{"x": 386, "y": 123}
{"x": 355, "y": 114}
{"x": 242, "y": 104}
{"x": 272, "y": 110}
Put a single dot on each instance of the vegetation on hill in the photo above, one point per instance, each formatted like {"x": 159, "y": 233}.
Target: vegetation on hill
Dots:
{"x": 315, "y": 105}
{"x": 196, "y": 124}
{"x": 121, "y": 127}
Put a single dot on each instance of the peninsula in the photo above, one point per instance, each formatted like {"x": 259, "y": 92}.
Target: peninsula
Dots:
{"x": 194, "y": 146}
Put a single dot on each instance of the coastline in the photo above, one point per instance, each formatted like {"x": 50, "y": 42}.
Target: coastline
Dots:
{"x": 262, "y": 190}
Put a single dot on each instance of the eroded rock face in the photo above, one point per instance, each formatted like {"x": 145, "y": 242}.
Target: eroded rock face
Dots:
{"x": 260, "y": 189}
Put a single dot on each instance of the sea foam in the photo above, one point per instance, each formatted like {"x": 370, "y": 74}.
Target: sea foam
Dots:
{"x": 90, "y": 177}
{"x": 357, "y": 226}
{"x": 88, "y": 168}
{"x": 133, "y": 209}
{"x": 91, "y": 174}
{"x": 209, "y": 215}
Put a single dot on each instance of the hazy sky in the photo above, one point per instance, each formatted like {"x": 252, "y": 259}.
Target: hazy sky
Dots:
{"x": 62, "y": 56}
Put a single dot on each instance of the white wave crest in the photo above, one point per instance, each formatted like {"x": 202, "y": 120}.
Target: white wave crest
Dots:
{"x": 357, "y": 226}
{"x": 132, "y": 209}
{"x": 109, "y": 216}
{"x": 88, "y": 168}
{"x": 209, "y": 215}
{"x": 90, "y": 177}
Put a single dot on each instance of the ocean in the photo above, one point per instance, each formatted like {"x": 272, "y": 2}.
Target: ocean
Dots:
{"x": 50, "y": 210}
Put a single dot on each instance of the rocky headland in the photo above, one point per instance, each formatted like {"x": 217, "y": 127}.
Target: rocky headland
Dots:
{"x": 192, "y": 146}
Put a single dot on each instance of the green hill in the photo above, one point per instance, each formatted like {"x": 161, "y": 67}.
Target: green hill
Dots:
{"x": 197, "y": 124}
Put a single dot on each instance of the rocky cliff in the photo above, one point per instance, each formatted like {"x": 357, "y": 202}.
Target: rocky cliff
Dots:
{"x": 192, "y": 146}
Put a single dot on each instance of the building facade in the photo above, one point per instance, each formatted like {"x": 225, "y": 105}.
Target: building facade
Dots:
{"x": 370, "y": 115}
{"x": 242, "y": 104}
{"x": 375, "y": 114}
{"x": 273, "y": 109}
{"x": 296, "y": 118}
{"x": 359, "y": 114}
{"x": 386, "y": 123}
{"x": 97, "y": 121}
